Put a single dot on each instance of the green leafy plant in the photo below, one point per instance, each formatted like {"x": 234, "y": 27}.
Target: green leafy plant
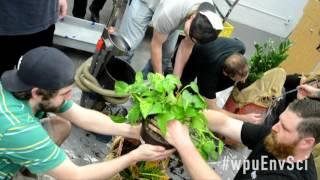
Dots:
{"x": 145, "y": 171}
{"x": 266, "y": 57}
{"x": 159, "y": 98}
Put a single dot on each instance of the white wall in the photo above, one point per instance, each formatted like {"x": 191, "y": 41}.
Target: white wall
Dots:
{"x": 278, "y": 17}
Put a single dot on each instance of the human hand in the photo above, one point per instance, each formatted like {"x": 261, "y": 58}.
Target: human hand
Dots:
{"x": 63, "y": 6}
{"x": 307, "y": 90}
{"x": 148, "y": 152}
{"x": 255, "y": 118}
{"x": 111, "y": 29}
{"x": 177, "y": 134}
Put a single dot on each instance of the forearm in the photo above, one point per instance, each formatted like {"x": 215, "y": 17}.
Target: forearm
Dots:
{"x": 182, "y": 57}
{"x": 233, "y": 115}
{"x": 98, "y": 122}
{"x": 196, "y": 165}
{"x": 104, "y": 125}
{"x": 102, "y": 170}
{"x": 220, "y": 123}
{"x": 106, "y": 170}
{"x": 216, "y": 120}
{"x": 156, "y": 57}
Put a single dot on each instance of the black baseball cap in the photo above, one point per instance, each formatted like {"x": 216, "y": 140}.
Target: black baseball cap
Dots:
{"x": 43, "y": 67}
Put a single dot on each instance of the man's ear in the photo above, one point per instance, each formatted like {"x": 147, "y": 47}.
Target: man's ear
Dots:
{"x": 35, "y": 93}
{"x": 308, "y": 142}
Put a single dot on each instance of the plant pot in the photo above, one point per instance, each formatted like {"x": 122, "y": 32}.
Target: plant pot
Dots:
{"x": 121, "y": 146}
{"x": 115, "y": 70}
{"x": 149, "y": 136}
{"x": 232, "y": 106}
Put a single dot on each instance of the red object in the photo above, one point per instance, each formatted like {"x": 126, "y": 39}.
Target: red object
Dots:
{"x": 231, "y": 106}
{"x": 99, "y": 44}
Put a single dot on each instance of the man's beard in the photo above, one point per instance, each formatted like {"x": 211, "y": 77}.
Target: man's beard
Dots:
{"x": 279, "y": 150}
{"x": 46, "y": 107}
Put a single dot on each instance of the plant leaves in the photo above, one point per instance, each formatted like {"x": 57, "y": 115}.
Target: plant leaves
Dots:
{"x": 139, "y": 77}
{"x": 266, "y": 57}
{"x": 160, "y": 97}
{"x": 171, "y": 82}
{"x": 203, "y": 153}
{"x": 145, "y": 107}
{"x": 121, "y": 87}
{"x": 194, "y": 87}
{"x": 209, "y": 147}
{"x": 156, "y": 108}
{"x": 118, "y": 119}
{"x": 179, "y": 112}
{"x": 198, "y": 123}
{"x": 162, "y": 121}
{"x": 186, "y": 99}
{"x": 199, "y": 102}
{"x": 191, "y": 112}
{"x": 134, "y": 114}
{"x": 220, "y": 147}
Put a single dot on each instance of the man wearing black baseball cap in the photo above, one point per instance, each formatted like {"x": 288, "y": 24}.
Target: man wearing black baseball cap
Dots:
{"x": 42, "y": 82}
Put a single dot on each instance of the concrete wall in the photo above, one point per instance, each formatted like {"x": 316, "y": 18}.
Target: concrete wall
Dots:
{"x": 278, "y": 17}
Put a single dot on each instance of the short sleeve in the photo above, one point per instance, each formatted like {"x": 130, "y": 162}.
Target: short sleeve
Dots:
{"x": 66, "y": 106}
{"x": 207, "y": 83}
{"x": 30, "y": 146}
{"x": 252, "y": 134}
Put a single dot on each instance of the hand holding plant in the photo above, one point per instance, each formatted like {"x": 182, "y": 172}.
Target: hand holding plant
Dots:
{"x": 158, "y": 101}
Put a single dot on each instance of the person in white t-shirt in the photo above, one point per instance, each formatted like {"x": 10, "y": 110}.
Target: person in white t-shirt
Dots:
{"x": 201, "y": 25}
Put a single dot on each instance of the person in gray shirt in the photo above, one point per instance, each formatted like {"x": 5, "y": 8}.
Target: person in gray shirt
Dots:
{"x": 201, "y": 25}
{"x": 26, "y": 25}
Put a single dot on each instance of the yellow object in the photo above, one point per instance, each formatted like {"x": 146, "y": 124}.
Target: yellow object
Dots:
{"x": 227, "y": 30}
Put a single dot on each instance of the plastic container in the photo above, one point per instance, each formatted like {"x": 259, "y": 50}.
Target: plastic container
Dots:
{"x": 77, "y": 33}
{"x": 227, "y": 30}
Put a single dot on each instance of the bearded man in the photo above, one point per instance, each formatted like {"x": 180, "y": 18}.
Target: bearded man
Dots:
{"x": 282, "y": 151}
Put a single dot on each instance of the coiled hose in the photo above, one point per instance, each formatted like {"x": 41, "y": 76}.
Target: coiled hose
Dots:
{"x": 88, "y": 83}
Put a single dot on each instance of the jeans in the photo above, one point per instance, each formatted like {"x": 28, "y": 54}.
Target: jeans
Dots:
{"x": 133, "y": 28}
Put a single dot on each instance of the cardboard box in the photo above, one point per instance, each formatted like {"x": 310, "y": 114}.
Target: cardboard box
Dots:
{"x": 304, "y": 55}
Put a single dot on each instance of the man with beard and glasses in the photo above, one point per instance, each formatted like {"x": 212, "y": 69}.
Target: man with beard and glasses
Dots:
{"x": 42, "y": 83}
{"x": 282, "y": 151}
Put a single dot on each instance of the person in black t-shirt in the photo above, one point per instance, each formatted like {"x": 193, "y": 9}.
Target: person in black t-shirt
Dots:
{"x": 280, "y": 152}
{"x": 217, "y": 65}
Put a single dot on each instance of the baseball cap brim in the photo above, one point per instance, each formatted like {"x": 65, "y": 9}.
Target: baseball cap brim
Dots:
{"x": 208, "y": 10}
{"x": 11, "y": 82}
